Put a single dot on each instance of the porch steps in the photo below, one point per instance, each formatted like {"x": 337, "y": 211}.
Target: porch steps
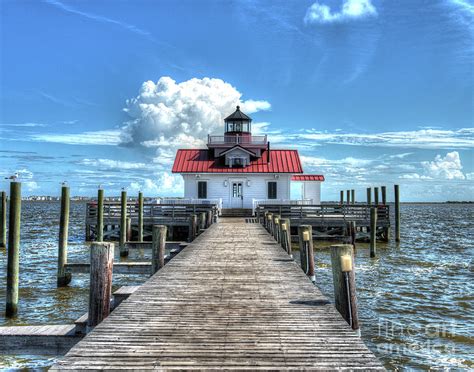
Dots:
{"x": 236, "y": 212}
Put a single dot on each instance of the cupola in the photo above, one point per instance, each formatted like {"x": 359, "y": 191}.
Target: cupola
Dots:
{"x": 238, "y": 122}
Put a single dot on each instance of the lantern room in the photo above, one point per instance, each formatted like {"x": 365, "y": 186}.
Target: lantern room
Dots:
{"x": 238, "y": 122}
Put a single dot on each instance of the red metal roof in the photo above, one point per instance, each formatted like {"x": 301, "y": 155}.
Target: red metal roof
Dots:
{"x": 307, "y": 177}
{"x": 200, "y": 161}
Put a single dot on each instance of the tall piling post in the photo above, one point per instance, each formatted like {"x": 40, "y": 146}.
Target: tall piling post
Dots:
{"x": 123, "y": 225}
{"x": 276, "y": 227}
{"x": 348, "y": 196}
{"x": 373, "y": 231}
{"x": 192, "y": 227}
{"x": 285, "y": 230}
{"x": 202, "y": 221}
{"x": 383, "y": 190}
{"x": 369, "y": 195}
{"x": 208, "y": 219}
{"x": 100, "y": 215}
{"x": 3, "y": 220}
{"x": 397, "y": 212}
{"x": 158, "y": 248}
{"x": 341, "y": 197}
{"x": 305, "y": 234}
{"x": 353, "y": 197}
{"x": 101, "y": 270}
{"x": 376, "y": 196}
{"x": 63, "y": 278}
{"x": 140, "y": 217}
{"x": 13, "y": 259}
{"x": 353, "y": 233}
{"x": 342, "y": 262}
{"x": 269, "y": 223}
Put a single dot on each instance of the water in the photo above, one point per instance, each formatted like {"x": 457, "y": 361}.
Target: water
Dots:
{"x": 415, "y": 298}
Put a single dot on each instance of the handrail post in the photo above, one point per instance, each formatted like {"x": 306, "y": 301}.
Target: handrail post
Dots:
{"x": 100, "y": 216}
{"x": 276, "y": 227}
{"x": 285, "y": 230}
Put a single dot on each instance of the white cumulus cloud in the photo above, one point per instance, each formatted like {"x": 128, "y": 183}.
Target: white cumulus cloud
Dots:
{"x": 166, "y": 115}
{"x": 351, "y": 9}
{"x": 448, "y": 167}
{"x": 165, "y": 184}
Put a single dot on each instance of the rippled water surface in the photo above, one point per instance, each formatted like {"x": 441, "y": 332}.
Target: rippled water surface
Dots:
{"x": 415, "y": 298}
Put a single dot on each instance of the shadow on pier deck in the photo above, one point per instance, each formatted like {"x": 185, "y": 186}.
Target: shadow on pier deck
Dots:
{"x": 231, "y": 299}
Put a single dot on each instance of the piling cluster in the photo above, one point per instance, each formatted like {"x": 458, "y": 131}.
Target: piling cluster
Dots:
{"x": 342, "y": 261}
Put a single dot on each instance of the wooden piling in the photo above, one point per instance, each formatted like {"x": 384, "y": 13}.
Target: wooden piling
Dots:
{"x": 140, "y": 217}
{"x": 270, "y": 223}
{"x": 348, "y": 196}
{"x": 352, "y": 196}
{"x": 373, "y": 231}
{"x": 341, "y": 197}
{"x": 285, "y": 230}
{"x": 192, "y": 227}
{"x": 383, "y": 190}
{"x": 158, "y": 247}
{"x": 353, "y": 233}
{"x": 369, "y": 195}
{"x": 202, "y": 220}
{"x": 123, "y": 225}
{"x": 63, "y": 278}
{"x": 276, "y": 227}
{"x": 100, "y": 215}
{"x": 342, "y": 261}
{"x": 13, "y": 260}
{"x": 3, "y": 220}
{"x": 376, "y": 196}
{"x": 209, "y": 219}
{"x": 305, "y": 234}
{"x": 101, "y": 269}
{"x": 129, "y": 229}
{"x": 397, "y": 212}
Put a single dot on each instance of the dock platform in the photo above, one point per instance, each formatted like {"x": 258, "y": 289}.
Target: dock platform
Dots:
{"x": 231, "y": 299}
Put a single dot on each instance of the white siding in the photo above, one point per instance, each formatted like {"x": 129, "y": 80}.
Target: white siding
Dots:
{"x": 312, "y": 190}
{"x": 256, "y": 190}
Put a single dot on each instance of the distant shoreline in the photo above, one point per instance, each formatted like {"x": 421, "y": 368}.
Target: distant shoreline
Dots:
{"x": 323, "y": 202}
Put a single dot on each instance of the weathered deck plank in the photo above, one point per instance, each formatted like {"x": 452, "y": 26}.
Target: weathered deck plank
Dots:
{"x": 231, "y": 299}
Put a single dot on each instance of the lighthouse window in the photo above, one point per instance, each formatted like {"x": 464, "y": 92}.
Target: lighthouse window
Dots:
{"x": 272, "y": 190}
{"x": 238, "y": 127}
{"x": 202, "y": 190}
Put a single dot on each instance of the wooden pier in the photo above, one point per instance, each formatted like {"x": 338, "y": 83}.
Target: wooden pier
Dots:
{"x": 231, "y": 299}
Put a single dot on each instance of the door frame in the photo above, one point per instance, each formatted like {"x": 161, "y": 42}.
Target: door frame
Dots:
{"x": 233, "y": 181}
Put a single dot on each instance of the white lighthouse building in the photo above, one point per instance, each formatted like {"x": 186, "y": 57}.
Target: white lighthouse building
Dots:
{"x": 242, "y": 169}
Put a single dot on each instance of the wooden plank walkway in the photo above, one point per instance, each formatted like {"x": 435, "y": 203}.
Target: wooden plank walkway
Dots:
{"x": 232, "y": 299}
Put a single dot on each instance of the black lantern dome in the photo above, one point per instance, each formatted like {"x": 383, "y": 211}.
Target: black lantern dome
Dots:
{"x": 238, "y": 122}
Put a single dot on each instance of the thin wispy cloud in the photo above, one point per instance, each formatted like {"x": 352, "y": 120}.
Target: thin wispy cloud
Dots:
{"x": 420, "y": 139}
{"x": 98, "y": 18}
{"x": 350, "y": 10}
{"x": 23, "y": 125}
{"x": 99, "y": 138}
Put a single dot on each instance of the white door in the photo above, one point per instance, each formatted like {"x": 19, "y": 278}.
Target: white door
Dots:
{"x": 237, "y": 196}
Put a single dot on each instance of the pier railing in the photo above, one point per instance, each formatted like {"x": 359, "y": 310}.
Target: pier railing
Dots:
{"x": 327, "y": 214}
{"x": 151, "y": 211}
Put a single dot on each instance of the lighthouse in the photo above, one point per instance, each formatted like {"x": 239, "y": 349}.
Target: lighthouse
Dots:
{"x": 242, "y": 169}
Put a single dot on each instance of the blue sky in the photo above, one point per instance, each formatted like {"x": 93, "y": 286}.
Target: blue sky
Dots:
{"x": 371, "y": 92}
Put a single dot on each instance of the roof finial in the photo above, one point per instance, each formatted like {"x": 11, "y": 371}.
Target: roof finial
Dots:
{"x": 238, "y": 108}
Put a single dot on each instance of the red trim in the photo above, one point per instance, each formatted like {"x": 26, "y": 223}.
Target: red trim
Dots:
{"x": 200, "y": 161}
{"x": 307, "y": 177}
